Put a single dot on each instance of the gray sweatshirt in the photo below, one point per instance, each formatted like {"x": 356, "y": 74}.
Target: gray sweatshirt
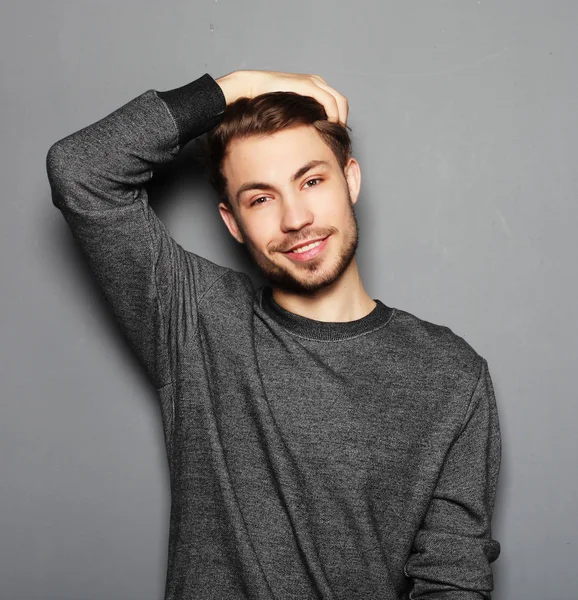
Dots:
{"x": 308, "y": 459}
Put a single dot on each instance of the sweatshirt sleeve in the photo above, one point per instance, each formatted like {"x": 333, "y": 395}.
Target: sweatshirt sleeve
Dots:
{"x": 453, "y": 549}
{"x": 97, "y": 177}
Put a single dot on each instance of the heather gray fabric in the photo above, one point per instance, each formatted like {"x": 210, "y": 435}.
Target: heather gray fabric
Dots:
{"x": 307, "y": 459}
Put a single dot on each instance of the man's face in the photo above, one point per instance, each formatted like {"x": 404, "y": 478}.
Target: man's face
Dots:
{"x": 277, "y": 205}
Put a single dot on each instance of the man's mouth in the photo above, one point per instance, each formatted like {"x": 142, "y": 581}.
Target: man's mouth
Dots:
{"x": 308, "y": 250}
{"x": 304, "y": 246}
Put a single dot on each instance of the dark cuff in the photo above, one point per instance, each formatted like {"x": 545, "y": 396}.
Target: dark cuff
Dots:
{"x": 196, "y": 106}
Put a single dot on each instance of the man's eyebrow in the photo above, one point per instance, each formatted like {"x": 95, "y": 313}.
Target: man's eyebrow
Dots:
{"x": 260, "y": 185}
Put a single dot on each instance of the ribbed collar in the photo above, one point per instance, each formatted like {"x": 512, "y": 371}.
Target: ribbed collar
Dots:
{"x": 323, "y": 330}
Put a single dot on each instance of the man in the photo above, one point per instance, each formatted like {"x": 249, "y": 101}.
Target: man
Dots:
{"x": 321, "y": 444}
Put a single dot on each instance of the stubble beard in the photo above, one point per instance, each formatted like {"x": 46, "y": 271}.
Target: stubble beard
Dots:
{"x": 312, "y": 275}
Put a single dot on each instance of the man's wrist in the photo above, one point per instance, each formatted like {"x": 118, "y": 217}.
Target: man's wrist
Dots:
{"x": 228, "y": 86}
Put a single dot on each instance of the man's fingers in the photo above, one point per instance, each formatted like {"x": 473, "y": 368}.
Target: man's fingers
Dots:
{"x": 340, "y": 100}
{"x": 329, "y": 102}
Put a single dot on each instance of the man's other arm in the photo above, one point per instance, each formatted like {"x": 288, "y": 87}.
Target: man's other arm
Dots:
{"x": 97, "y": 177}
{"x": 453, "y": 549}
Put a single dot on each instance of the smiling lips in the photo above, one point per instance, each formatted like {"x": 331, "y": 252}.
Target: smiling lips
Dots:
{"x": 307, "y": 251}
{"x": 302, "y": 245}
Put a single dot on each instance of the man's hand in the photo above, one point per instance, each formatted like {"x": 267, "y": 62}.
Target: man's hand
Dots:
{"x": 248, "y": 84}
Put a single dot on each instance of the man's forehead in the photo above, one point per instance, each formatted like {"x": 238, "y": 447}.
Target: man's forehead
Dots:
{"x": 279, "y": 154}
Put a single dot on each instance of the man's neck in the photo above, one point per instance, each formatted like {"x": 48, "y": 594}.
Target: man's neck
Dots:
{"x": 344, "y": 300}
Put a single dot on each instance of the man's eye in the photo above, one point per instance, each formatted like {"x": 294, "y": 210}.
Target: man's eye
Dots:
{"x": 316, "y": 179}
{"x": 256, "y": 201}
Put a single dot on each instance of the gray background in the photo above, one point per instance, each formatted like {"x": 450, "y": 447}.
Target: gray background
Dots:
{"x": 463, "y": 117}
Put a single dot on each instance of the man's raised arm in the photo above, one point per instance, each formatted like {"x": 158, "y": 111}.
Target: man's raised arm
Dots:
{"x": 97, "y": 177}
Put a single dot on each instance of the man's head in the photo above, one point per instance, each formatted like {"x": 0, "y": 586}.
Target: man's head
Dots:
{"x": 284, "y": 175}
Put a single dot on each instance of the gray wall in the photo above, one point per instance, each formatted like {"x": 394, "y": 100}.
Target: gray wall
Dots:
{"x": 464, "y": 122}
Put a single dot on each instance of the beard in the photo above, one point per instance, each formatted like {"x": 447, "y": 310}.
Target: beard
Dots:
{"x": 315, "y": 274}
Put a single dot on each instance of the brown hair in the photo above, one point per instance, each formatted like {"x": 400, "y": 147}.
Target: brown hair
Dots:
{"x": 263, "y": 115}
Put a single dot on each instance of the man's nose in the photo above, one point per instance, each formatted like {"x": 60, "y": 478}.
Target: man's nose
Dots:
{"x": 296, "y": 214}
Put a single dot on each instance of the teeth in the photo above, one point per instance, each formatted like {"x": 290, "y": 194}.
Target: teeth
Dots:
{"x": 308, "y": 247}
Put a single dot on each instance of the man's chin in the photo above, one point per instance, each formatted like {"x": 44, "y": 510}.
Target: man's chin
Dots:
{"x": 292, "y": 275}
{"x": 301, "y": 281}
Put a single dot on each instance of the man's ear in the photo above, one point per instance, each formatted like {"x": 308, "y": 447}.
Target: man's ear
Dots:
{"x": 352, "y": 173}
{"x": 231, "y": 222}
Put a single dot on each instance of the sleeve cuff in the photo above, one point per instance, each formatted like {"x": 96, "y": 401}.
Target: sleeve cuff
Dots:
{"x": 196, "y": 107}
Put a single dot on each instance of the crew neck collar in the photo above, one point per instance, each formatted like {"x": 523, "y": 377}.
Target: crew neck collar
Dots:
{"x": 323, "y": 330}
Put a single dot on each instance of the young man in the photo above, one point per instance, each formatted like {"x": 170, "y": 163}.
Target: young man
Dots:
{"x": 321, "y": 444}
